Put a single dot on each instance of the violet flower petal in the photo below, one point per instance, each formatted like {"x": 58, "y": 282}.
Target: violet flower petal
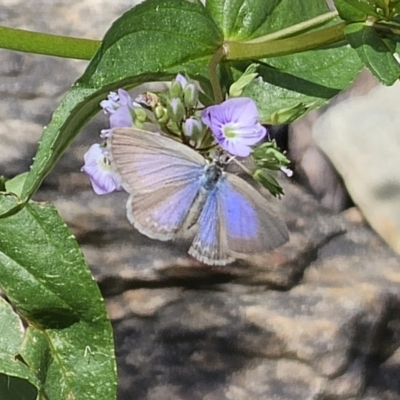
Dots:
{"x": 235, "y": 125}
{"x": 124, "y": 98}
{"x": 121, "y": 118}
{"x": 102, "y": 178}
{"x": 182, "y": 80}
{"x": 111, "y": 104}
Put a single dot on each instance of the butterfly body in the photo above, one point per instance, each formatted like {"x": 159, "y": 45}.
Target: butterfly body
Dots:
{"x": 173, "y": 188}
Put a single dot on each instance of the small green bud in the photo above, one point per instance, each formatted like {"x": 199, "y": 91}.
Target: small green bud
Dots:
{"x": 237, "y": 87}
{"x": 138, "y": 124}
{"x": 175, "y": 90}
{"x": 289, "y": 114}
{"x": 190, "y": 95}
{"x": 140, "y": 114}
{"x": 161, "y": 114}
{"x": 159, "y": 111}
{"x": 176, "y": 110}
{"x": 267, "y": 155}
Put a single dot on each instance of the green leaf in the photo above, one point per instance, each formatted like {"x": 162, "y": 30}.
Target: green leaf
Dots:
{"x": 291, "y": 85}
{"x": 246, "y": 19}
{"x": 355, "y": 10}
{"x": 16, "y": 184}
{"x": 151, "y": 42}
{"x": 157, "y": 36}
{"x": 17, "y": 382}
{"x": 350, "y": 10}
{"x": 301, "y": 82}
{"x": 36, "y": 352}
{"x": 44, "y": 275}
{"x": 374, "y": 52}
{"x": 15, "y": 388}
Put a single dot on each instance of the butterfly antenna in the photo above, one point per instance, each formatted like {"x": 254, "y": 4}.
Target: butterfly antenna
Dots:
{"x": 238, "y": 163}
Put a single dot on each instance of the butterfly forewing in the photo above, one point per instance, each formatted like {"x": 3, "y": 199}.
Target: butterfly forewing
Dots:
{"x": 162, "y": 176}
{"x": 146, "y": 160}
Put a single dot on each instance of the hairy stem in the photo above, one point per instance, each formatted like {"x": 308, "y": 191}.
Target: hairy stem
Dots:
{"x": 280, "y": 47}
{"x": 294, "y": 29}
{"x": 50, "y": 45}
{"x": 213, "y": 74}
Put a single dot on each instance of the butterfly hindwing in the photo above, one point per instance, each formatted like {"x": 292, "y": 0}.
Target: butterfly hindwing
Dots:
{"x": 236, "y": 221}
{"x": 251, "y": 224}
{"x": 209, "y": 245}
{"x": 160, "y": 213}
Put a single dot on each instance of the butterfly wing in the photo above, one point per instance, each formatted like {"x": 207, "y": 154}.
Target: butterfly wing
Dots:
{"x": 210, "y": 243}
{"x": 146, "y": 160}
{"x": 162, "y": 176}
{"x": 251, "y": 223}
{"x": 235, "y": 222}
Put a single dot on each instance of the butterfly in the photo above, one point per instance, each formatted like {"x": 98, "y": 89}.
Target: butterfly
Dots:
{"x": 173, "y": 189}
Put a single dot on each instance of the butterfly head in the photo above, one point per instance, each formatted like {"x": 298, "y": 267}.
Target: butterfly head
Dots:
{"x": 212, "y": 174}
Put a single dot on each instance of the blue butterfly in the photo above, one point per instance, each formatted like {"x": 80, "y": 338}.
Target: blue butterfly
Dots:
{"x": 173, "y": 188}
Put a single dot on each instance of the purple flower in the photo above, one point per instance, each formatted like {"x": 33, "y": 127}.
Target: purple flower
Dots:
{"x": 97, "y": 166}
{"x": 118, "y": 107}
{"x": 111, "y": 104}
{"x": 235, "y": 125}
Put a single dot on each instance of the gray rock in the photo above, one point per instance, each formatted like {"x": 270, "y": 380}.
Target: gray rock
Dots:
{"x": 320, "y": 340}
{"x": 312, "y": 167}
{"x": 361, "y": 136}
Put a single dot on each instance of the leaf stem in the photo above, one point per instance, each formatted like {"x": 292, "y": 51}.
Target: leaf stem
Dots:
{"x": 292, "y": 30}
{"x": 47, "y": 44}
{"x": 280, "y": 47}
{"x": 212, "y": 72}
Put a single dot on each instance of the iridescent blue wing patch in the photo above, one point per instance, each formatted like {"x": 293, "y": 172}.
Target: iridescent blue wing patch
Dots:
{"x": 236, "y": 222}
{"x": 209, "y": 245}
{"x": 251, "y": 224}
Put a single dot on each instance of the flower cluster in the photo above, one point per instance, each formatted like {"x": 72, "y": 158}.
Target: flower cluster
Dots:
{"x": 119, "y": 107}
{"x": 233, "y": 125}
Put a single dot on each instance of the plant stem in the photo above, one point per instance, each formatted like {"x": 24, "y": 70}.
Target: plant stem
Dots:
{"x": 212, "y": 72}
{"x": 50, "y": 45}
{"x": 294, "y": 29}
{"x": 280, "y": 47}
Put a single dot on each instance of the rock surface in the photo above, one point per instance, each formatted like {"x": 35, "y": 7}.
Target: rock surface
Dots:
{"x": 317, "y": 319}
{"x": 364, "y": 146}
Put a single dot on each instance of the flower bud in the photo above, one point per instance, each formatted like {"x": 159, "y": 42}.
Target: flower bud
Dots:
{"x": 193, "y": 128}
{"x": 176, "y": 110}
{"x": 190, "y": 95}
{"x": 161, "y": 114}
{"x": 176, "y": 90}
{"x": 248, "y": 76}
{"x": 159, "y": 111}
{"x": 140, "y": 114}
{"x": 139, "y": 124}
